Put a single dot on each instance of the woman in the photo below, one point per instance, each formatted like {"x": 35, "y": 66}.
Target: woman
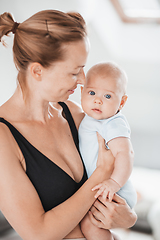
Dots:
{"x": 44, "y": 188}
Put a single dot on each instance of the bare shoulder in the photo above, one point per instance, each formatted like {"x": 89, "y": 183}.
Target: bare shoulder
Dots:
{"x": 8, "y": 146}
{"x": 4, "y": 133}
{"x": 76, "y": 111}
{"x": 15, "y": 187}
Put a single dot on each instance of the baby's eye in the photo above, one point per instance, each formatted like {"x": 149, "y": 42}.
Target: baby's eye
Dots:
{"x": 107, "y": 96}
{"x": 91, "y": 92}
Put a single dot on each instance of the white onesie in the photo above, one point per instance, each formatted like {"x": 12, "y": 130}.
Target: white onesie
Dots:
{"x": 110, "y": 128}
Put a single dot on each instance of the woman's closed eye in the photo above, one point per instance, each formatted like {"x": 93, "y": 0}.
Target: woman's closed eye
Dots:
{"x": 91, "y": 92}
{"x": 75, "y": 74}
{"x": 80, "y": 71}
{"x": 108, "y": 96}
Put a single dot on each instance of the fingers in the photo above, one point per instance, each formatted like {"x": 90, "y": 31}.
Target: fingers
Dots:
{"x": 100, "y": 189}
{"x": 96, "y": 217}
{"x": 101, "y": 141}
{"x": 97, "y": 187}
{"x": 104, "y": 202}
{"x": 95, "y": 221}
{"x": 110, "y": 196}
{"x": 105, "y": 157}
{"x": 105, "y": 194}
{"x": 100, "y": 192}
{"x": 119, "y": 199}
{"x": 103, "y": 191}
{"x": 105, "y": 206}
{"x": 99, "y": 206}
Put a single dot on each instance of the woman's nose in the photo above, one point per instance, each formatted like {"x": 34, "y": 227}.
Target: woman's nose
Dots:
{"x": 81, "y": 77}
{"x": 98, "y": 100}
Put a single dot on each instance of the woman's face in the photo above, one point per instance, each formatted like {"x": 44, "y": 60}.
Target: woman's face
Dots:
{"x": 61, "y": 79}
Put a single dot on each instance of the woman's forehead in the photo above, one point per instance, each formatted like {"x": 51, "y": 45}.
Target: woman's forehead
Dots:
{"x": 77, "y": 52}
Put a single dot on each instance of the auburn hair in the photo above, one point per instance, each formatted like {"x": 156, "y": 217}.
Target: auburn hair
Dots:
{"x": 41, "y": 37}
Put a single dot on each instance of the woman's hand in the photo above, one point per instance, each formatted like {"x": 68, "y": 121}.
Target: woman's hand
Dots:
{"x": 105, "y": 156}
{"x": 115, "y": 214}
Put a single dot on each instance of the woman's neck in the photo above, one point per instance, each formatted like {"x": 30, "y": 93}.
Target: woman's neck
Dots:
{"x": 26, "y": 109}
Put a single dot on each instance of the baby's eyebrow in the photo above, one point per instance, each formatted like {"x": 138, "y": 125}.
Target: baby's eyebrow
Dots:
{"x": 90, "y": 86}
{"x": 94, "y": 89}
{"x": 110, "y": 91}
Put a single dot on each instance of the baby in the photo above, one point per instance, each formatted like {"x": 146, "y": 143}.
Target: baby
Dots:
{"x": 103, "y": 97}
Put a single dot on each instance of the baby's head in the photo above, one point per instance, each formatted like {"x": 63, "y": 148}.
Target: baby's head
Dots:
{"x": 104, "y": 93}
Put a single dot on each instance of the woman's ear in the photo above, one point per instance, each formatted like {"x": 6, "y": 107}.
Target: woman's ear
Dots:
{"x": 36, "y": 70}
{"x": 123, "y": 101}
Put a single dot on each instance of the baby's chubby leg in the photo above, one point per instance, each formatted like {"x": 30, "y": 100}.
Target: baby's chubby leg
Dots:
{"x": 91, "y": 232}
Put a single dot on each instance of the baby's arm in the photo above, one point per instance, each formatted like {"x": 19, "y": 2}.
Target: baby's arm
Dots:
{"x": 122, "y": 150}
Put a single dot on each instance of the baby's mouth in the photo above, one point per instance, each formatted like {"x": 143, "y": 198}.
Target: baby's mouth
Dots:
{"x": 96, "y": 110}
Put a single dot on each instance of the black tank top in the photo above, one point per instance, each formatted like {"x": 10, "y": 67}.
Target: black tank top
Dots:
{"x": 52, "y": 184}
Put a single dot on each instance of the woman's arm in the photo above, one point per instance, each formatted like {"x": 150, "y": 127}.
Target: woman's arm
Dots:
{"x": 20, "y": 202}
{"x": 115, "y": 214}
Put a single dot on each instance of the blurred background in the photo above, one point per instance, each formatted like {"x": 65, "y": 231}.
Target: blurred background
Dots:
{"x": 128, "y": 33}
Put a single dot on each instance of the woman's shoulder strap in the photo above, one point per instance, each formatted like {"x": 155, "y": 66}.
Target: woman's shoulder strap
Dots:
{"x": 71, "y": 123}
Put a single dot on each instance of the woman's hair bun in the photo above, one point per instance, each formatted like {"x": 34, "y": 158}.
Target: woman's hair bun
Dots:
{"x": 78, "y": 17}
{"x": 6, "y": 24}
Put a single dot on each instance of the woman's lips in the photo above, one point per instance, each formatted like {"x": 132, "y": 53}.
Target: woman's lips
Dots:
{"x": 96, "y": 110}
{"x": 72, "y": 90}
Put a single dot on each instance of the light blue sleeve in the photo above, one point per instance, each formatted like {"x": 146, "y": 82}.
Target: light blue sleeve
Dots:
{"x": 116, "y": 127}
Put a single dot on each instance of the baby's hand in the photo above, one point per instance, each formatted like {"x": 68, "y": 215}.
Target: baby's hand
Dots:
{"x": 107, "y": 189}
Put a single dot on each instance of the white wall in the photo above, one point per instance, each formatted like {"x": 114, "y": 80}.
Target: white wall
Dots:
{"x": 135, "y": 47}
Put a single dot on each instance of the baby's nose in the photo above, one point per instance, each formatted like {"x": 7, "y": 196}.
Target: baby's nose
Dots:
{"x": 98, "y": 100}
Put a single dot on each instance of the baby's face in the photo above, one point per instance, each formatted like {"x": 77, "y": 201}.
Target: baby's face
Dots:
{"x": 101, "y": 97}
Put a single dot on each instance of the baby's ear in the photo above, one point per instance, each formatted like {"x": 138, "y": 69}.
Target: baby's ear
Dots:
{"x": 81, "y": 89}
{"x": 123, "y": 101}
